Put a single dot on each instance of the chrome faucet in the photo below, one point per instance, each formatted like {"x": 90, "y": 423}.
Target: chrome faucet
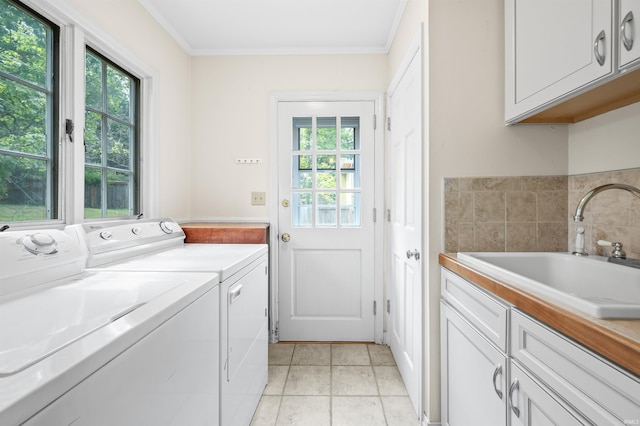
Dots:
{"x": 578, "y": 217}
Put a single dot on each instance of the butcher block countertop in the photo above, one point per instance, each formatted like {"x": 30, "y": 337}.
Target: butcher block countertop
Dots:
{"x": 616, "y": 339}
{"x": 226, "y": 233}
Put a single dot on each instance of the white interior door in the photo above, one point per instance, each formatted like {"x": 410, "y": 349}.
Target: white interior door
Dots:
{"x": 405, "y": 203}
{"x": 326, "y": 221}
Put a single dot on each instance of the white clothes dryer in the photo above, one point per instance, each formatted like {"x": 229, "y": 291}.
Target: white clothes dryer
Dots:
{"x": 158, "y": 245}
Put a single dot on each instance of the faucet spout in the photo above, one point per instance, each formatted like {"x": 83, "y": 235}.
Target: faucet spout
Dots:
{"x": 578, "y": 216}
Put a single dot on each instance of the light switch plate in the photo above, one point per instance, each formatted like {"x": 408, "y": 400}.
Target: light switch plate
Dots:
{"x": 258, "y": 199}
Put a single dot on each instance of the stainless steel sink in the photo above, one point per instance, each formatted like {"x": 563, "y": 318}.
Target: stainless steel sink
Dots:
{"x": 589, "y": 284}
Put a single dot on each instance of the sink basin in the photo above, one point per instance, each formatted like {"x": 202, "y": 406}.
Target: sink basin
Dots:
{"x": 589, "y": 284}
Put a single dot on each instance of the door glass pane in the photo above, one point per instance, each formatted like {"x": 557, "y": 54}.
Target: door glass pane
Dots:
{"x": 349, "y": 138}
{"x": 302, "y": 175}
{"x": 326, "y": 209}
{"x": 326, "y": 134}
{"x": 302, "y": 134}
{"x": 326, "y": 175}
{"x": 350, "y": 209}
{"x": 302, "y": 209}
{"x": 350, "y": 171}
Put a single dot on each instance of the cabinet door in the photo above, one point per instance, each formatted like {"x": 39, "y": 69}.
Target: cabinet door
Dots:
{"x": 532, "y": 405}
{"x": 473, "y": 375}
{"x": 629, "y": 24}
{"x": 552, "y": 49}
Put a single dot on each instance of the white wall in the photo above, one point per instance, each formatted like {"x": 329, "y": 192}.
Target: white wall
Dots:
{"x": 230, "y": 104}
{"x": 609, "y": 141}
{"x": 466, "y": 132}
{"x": 129, "y": 24}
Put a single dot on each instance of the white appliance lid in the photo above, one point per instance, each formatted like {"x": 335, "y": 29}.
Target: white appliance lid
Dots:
{"x": 223, "y": 259}
{"x": 45, "y": 321}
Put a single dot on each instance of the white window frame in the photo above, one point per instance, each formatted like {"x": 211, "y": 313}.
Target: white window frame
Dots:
{"x": 77, "y": 32}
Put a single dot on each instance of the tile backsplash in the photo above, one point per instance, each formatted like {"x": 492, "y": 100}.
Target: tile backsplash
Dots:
{"x": 612, "y": 215}
{"x": 535, "y": 213}
{"x": 506, "y": 213}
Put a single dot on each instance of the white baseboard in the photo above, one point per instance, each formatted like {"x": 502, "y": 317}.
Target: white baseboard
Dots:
{"x": 426, "y": 422}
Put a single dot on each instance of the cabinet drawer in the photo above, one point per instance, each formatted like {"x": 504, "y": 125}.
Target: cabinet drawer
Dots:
{"x": 602, "y": 392}
{"x": 475, "y": 305}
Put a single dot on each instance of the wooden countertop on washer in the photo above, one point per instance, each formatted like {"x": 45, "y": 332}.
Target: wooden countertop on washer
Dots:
{"x": 226, "y": 232}
{"x": 616, "y": 339}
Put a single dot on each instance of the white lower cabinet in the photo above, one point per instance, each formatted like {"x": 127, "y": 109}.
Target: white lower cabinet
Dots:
{"x": 473, "y": 375}
{"x": 531, "y": 404}
{"x": 540, "y": 377}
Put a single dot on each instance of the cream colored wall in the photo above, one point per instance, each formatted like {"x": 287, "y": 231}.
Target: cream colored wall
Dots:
{"x": 130, "y": 25}
{"x": 230, "y": 104}
{"x": 465, "y": 128}
{"x": 609, "y": 141}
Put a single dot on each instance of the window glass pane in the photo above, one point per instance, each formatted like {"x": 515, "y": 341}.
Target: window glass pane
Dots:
{"x": 348, "y": 133}
{"x": 118, "y": 94}
{"x": 23, "y": 45}
{"x": 28, "y": 154}
{"x": 117, "y": 194}
{"x": 111, "y": 139}
{"x": 326, "y": 134}
{"x": 93, "y": 138}
{"x": 118, "y": 141}
{"x": 350, "y": 209}
{"x": 326, "y": 209}
{"x": 93, "y": 81}
{"x": 92, "y": 192}
{"x": 23, "y": 118}
{"x": 302, "y": 209}
{"x": 302, "y": 176}
{"x": 23, "y": 189}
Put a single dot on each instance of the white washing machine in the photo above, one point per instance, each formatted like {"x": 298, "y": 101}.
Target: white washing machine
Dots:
{"x": 157, "y": 245}
{"x": 102, "y": 347}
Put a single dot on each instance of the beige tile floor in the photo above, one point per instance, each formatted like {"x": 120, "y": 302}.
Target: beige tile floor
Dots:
{"x": 333, "y": 385}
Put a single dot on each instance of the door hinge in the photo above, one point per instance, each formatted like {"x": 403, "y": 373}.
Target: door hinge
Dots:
{"x": 375, "y": 307}
{"x": 375, "y": 121}
{"x": 389, "y": 123}
{"x": 388, "y": 306}
{"x": 375, "y": 215}
{"x": 388, "y": 215}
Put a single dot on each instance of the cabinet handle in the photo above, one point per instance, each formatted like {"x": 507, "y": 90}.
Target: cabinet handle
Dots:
{"x": 627, "y": 42}
{"x": 496, "y": 372}
{"x": 515, "y": 386}
{"x": 596, "y": 51}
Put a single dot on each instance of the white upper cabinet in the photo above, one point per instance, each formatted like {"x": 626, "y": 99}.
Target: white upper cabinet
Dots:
{"x": 629, "y": 25}
{"x": 554, "y": 48}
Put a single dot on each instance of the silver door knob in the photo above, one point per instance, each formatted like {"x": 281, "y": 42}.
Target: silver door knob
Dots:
{"x": 286, "y": 237}
{"x": 414, "y": 253}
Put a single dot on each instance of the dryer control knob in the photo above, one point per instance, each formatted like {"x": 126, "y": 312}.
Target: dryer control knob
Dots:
{"x": 40, "y": 243}
{"x": 106, "y": 235}
{"x": 167, "y": 227}
{"x": 136, "y": 230}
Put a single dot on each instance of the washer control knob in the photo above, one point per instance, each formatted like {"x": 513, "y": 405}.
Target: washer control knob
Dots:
{"x": 136, "y": 230}
{"x": 106, "y": 235}
{"x": 40, "y": 243}
{"x": 167, "y": 227}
